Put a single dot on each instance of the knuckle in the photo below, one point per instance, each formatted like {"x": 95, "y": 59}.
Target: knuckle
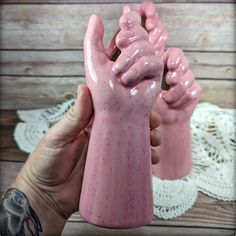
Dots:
{"x": 182, "y": 85}
{"x": 192, "y": 94}
{"x": 71, "y": 114}
{"x": 145, "y": 60}
{"x": 138, "y": 51}
{"x": 178, "y": 50}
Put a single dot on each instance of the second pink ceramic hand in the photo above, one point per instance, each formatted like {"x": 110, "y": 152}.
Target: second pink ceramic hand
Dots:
{"x": 117, "y": 190}
{"x": 175, "y": 107}
{"x": 157, "y": 34}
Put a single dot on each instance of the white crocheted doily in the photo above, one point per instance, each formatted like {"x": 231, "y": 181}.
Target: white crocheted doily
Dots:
{"x": 214, "y": 149}
{"x": 172, "y": 198}
{"x": 36, "y": 123}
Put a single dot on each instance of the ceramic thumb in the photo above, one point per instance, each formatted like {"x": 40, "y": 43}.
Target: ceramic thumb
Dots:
{"x": 93, "y": 41}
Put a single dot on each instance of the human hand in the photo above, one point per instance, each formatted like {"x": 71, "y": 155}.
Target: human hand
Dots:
{"x": 52, "y": 176}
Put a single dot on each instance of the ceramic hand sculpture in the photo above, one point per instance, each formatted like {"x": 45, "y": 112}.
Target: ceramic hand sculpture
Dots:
{"x": 175, "y": 107}
{"x": 117, "y": 190}
{"x": 157, "y": 34}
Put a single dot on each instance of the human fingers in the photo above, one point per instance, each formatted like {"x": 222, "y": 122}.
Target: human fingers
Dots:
{"x": 155, "y": 120}
{"x": 146, "y": 66}
{"x": 155, "y": 137}
{"x": 154, "y": 156}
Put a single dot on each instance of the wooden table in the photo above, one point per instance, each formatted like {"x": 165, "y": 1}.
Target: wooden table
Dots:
{"x": 207, "y": 217}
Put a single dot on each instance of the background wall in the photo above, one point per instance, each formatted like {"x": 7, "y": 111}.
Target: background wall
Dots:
{"x": 42, "y": 57}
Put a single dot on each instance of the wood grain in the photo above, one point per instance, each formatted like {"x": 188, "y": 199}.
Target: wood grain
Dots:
{"x": 8, "y": 172}
{"x": 8, "y": 148}
{"x": 37, "y": 92}
{"x": 220, "y": 92}
{"x": 206, "y": 212}
{"x": 205, "y": 65}
{"x": 39, "y": 26}
{"x": 72, "y": 228}
{"x": 33, "y": 92}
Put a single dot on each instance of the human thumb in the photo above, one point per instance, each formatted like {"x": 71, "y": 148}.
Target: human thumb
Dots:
{"x": 76, "y": 119}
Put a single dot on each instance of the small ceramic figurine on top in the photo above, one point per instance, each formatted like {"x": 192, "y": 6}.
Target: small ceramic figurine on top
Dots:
{"x": 117, "y": 189}
{"x": 176, "y": 102}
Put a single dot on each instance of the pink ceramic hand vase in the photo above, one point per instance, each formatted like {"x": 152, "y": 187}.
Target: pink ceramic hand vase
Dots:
{"x": 117, "y": 190}
{"x": 157, "y": 34}
{"x": 175, "y": 107}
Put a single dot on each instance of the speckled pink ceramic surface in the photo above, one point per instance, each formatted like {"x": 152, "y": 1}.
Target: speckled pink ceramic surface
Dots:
{"x": 175, "y": 107}
{"x": 175, "y": 104}
{"x": 157, "y": 34}
{"x": 117, "y": 189}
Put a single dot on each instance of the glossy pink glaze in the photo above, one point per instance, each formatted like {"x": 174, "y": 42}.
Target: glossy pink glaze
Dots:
{"x": 117, "y": 190}
{"x": 175, "y": 107}
{"x": 157, "y": 34}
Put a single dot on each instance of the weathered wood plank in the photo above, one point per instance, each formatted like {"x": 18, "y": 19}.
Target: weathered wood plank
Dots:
{"x": 63, "y": 26}
{"x": 206, "y": 212}
{"x": 36, "y": 92}
{"x": 42, "y": 63}
{"x": 217, "y": 65}
{"x": 107, "y": 1}
{"x": 72, "y": 228}
{"x": 8, "y": 172}
{"x": 219, "y": 92}
{"x": 8, "y": 148}
{"x": 213, "y": 65}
